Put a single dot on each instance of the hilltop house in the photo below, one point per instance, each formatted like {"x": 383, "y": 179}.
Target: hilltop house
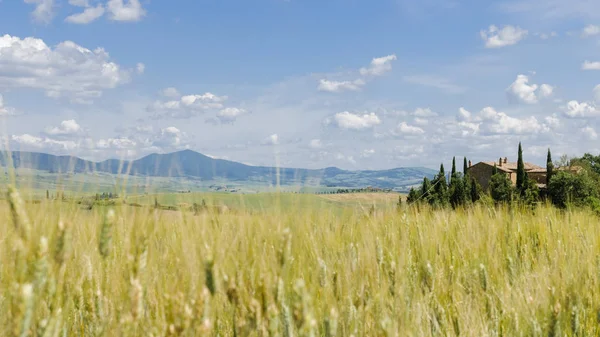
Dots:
{"x": 482, "y": 171}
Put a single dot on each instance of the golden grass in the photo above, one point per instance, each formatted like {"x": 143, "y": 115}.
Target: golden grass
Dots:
{"x": 142, "y": 272}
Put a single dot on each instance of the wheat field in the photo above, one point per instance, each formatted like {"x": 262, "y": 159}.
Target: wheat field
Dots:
{"x": 138, "y": 271}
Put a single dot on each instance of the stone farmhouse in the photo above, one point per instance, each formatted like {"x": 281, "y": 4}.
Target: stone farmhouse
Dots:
{"x": 483, "y": 171}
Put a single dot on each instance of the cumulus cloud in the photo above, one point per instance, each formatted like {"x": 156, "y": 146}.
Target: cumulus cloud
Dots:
{"x": 521, "y": 91}
{"x": 125, "y": 10}
{"x": 489, "y": 121}
{"x": 27, "y": 141}
{"x": 379, "y": 66}
{"x": 66, "y": 128}
{"x": 44, "y": 10}
{"x": 405, "y": 129}
{"x": 500, "y": 123}
{"x": 349, "y": 121}
{"x": 89, "y": 15}
{"x": 587, "y": 65}
{"x": 69, "y": 138}
{"x": 187, "y": 106}
{"x": 4, "y": 110}
{"x": 65, "y": 70}
{"x": 337, "y": 86}
{"x": 590, "y": 30}
{"x": 271, "y": 140}
{"x": 575, "y": 109}
{"x": 463, "y": 114}
{"x": 506, "y": 36}
{"x": 229, "y": 115}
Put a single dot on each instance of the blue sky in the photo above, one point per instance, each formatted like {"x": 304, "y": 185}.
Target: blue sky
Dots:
{"x": 347, "y": 83}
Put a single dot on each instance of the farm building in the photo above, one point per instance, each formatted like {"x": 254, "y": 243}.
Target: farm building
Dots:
{"x": 482, "y": 171}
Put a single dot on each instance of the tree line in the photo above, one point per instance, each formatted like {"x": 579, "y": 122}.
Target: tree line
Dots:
{"x": 564, "y": 186}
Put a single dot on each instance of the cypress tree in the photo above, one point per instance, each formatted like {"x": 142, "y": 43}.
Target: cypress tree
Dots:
{"x": 465, "y": 167}
{"x": 426, "y": 190}
{"x": 441, "y": 188}
{"x": 521, "y": 174}
{"x": 475, "y": 190}
{"x": 495, "y": 170}
{"x": 453, "y": 173}
{"x": 549, "y": 168}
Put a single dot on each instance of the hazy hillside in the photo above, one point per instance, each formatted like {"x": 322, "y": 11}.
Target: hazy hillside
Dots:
{"x": 190, "y": 164}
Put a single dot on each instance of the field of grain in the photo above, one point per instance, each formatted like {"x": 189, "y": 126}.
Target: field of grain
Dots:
{"x": 139, "y": 271}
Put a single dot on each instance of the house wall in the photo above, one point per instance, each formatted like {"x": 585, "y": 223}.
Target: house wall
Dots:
{"x": 483, "y": 172}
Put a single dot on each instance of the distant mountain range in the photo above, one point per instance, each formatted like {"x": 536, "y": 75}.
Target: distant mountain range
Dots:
{"x": 194, "y": 165}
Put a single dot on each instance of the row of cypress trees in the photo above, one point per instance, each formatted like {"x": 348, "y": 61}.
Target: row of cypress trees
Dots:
{"x": 459, "y": 191}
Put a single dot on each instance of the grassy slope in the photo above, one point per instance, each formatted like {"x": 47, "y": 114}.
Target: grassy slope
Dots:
{"x": 419, "y": 273}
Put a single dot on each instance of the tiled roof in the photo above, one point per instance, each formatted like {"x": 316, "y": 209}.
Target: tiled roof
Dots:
{"x": 512, "y": 166}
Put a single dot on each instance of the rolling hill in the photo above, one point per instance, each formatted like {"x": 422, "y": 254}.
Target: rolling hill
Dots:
{"x": 193, "y": 165}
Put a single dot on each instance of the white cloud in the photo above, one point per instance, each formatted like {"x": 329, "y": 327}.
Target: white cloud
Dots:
{"x": 140, "y": 68}
{"x": 229, "y": 115}
{"x": 336, "y": 86}
{"x": 350, "y": 121}
{"x": 4, "y": 110}
{"x": 546, "y": 91}
{"x": 590, "y": 30}
{"x": 589, "y": 133}
{"x": 170, "y": 92}
{"x": 88, "y": 15}
{"x": 463, "y": 114}
{"x": 130, "y": 11}
{"x": 29, "y": 142}
{"x": 597, "y": 93}
{"x": 65, "y": 70}
{"x": 575, "y": 109}
{"x": 521, "y": 91}
{"x": 379, "y": 66}
{"x": 587, "y": 65}
{"x": 271, "y": 140}
{"x": 44, "y": 10}
{"x": 405, "y": 129}
{"x": 66, "y": 128}
{"x": 500, "y": 123}
{"x": 315, "y": 144}
{"x": 507, "y": 36}
{"x": 187, "y": 106}
{"x": 170, "y": 138}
